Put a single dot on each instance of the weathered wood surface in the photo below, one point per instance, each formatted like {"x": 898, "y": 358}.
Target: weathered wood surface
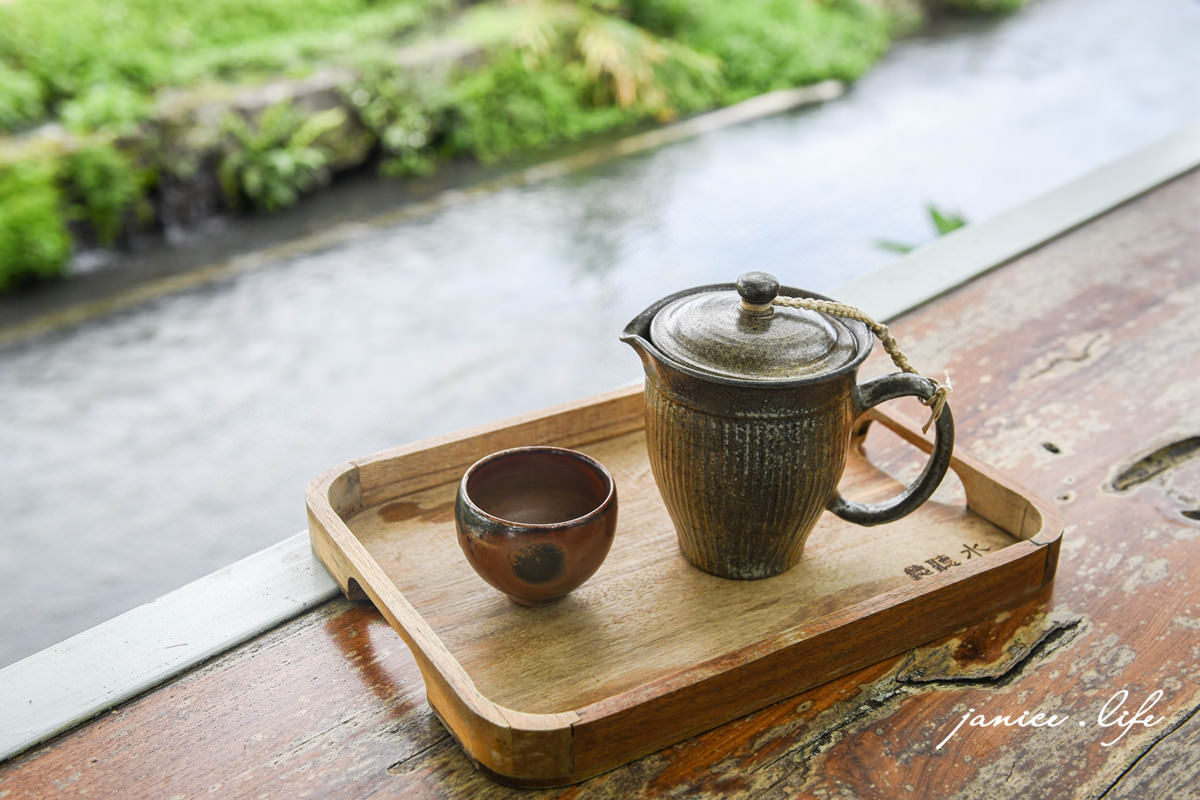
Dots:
{"x": 1076, "y": 370}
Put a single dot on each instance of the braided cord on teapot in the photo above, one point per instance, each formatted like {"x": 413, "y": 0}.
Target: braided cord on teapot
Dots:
{"x": 936, "y": 401}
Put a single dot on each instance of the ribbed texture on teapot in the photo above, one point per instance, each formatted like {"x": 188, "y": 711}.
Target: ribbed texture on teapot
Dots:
{"x": 744, "y": 492}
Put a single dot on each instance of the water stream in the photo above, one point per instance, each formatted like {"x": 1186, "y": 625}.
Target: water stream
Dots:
{"x": 148, "y": 448}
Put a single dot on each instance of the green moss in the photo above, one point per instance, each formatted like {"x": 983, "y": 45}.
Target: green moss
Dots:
{"x": 34, "y": 242}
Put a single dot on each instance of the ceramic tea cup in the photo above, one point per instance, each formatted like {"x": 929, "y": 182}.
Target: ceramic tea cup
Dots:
{"x": 536, "y": 522}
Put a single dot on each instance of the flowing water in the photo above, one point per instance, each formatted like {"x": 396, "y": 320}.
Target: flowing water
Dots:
{"x": 144, "y": 449}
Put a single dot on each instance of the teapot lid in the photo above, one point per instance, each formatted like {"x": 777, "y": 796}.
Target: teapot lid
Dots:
{"x": 739, "y": 334}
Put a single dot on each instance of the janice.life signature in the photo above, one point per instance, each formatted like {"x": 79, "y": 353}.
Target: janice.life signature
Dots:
{"x": 1113, "y": 714}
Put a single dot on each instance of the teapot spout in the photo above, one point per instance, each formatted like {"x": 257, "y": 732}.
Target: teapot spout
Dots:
{"x": 639, "y": 343}
{"x": 636, "y": 335}
{"x": 641, "y": 347}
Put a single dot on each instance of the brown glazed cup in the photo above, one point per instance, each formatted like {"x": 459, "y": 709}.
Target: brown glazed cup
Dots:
{"x": 536, "y": 522}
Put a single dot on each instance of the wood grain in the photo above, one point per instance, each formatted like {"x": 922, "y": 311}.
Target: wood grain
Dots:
{"x": 1070, "y": 364}
{"x": 646, "y": 614}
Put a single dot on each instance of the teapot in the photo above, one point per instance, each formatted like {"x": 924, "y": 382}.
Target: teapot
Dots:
{"x": 750, "y": 399}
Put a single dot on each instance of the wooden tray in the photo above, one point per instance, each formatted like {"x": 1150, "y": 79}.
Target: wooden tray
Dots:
{"x": 651, "y": 650}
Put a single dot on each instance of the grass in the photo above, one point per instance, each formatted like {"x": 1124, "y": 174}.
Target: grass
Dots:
{"x": 55, "y": 54}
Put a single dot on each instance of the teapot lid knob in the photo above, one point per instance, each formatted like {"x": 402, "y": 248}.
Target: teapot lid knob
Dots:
{"x": 758, "y": 289}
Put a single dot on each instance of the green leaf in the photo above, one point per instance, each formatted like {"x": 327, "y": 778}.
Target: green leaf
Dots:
{"x": 894, "y": 247}
{"x": 945, "y": 222}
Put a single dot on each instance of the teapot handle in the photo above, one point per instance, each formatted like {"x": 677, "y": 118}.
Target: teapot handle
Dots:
{"x": 880, "y": 390}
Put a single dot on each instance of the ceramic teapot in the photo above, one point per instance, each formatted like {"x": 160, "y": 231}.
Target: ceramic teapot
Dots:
{"x": 749, "y": 409}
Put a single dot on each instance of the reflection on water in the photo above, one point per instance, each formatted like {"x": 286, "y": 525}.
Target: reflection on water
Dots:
{"x": 147, "y": 449}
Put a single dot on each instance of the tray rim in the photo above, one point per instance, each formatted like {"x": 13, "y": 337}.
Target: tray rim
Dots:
{"x": 539, "y": 749}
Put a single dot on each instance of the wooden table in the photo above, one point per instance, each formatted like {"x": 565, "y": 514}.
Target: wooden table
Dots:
{"x": 1075, "y": 370}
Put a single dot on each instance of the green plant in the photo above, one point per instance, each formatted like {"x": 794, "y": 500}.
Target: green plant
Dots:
{"x": 113, "y": 107}
{"x": 560, "y": 71}
{"x": 515, "y": 105}
{"x": 635, "y": 69}
{"x": 272, "y": 162}
{"x": 776, "y": 44}
{"x": 608, "y": 59}
{"x": 34, "y": 242}
{"x": 407, "y": 116}
{"x": 105, "y": 185}
{"x": 664, "y": 17}
{"x": 20, "y": 99}
{"x": 66, "y": 47}
{"x": 944, "y": 222}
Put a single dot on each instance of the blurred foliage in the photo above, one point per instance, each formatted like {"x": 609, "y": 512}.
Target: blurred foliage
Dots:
{"x": 104, "y": 185}
{"x": 663, "y": 17}
{"x": 519, "y": 105}
{"x": 65, "y": 48}
{"x": 34, "y": 241}
{"x": 558, "y": 72}
{"x": 944, "y": 222}
{"x": 20, "y": 99}
{"x": 272, "y": 162}
{"x": 376, "y": 28}
{"x": 111, "y": 107}
{"x": 776, "y": 44}
{"x": 981, "y": 6}
{"x": 408, "y": 117}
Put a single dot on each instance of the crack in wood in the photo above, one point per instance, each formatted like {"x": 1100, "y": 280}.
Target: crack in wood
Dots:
{"x": 1156, "y": 463}
{"x": 907, "y": 680}
{"x": 1056, "y": 636}
{"x": 1132, "y": 764}
{"x": 401, "y": 767}
{"x": 1064, "y": 359}
{"x": 826, "y": 737}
